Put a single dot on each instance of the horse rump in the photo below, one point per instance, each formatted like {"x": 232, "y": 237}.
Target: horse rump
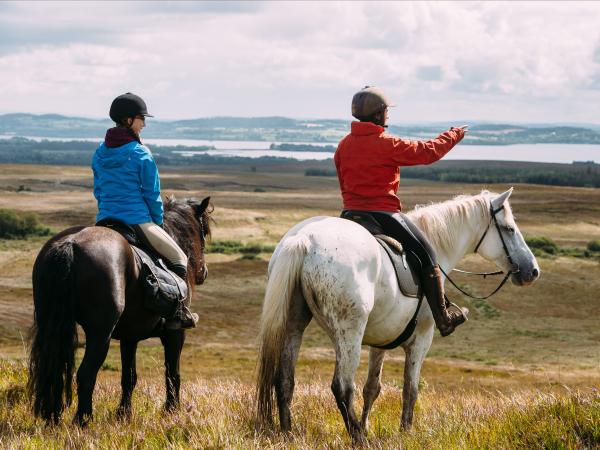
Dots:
{"x": 54, "y": 333}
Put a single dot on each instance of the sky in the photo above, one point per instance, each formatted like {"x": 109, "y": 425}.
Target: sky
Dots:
{"x": 510, "y": 62}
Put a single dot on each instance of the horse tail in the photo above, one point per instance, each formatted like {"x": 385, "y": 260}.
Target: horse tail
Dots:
{"x": 283, "y": 279}
{"x": 54, "y": 332}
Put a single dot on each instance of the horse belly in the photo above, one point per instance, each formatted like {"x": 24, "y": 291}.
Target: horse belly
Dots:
{"x": 391, "y": 311}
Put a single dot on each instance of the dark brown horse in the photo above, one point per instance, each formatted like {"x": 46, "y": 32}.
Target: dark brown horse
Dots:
{"x": 89, "y": 276}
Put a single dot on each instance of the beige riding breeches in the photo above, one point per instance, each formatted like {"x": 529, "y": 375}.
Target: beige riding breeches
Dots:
{"x": 163, "y": 243}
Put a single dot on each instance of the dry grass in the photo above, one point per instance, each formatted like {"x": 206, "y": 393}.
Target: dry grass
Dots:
{"x": 219, "y": 414}
{"x": 520, "y": 373}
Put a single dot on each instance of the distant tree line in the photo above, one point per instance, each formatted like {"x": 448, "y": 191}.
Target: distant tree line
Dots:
{"x": 18, "y": 150}
{"x": 582, "y": 174}
{"x": 303, "y": 148}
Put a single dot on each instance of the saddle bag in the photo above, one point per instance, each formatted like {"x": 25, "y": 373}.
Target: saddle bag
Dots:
{"x": 164, "y": 293}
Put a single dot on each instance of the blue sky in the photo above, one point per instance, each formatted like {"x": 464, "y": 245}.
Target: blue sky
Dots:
{"x": 443, "y": 61}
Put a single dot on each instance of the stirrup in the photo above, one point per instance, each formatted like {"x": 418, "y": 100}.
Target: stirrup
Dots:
{"x": 183, "y": 320}
{"x": 463, "y": 311}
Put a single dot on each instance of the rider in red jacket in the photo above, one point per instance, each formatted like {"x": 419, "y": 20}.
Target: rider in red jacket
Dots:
{"x": 368, "y": 167}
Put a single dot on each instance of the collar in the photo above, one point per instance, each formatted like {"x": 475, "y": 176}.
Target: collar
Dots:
{"x": 118, "y": 136}
{"x": 365, "y": 128}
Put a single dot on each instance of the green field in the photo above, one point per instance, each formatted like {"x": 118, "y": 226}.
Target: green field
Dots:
{"x": 524, "y": 372}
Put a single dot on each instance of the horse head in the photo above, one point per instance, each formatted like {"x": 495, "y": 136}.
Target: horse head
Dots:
{"x": 188, "y": 221}
{"x": 202, "y": 212}
{"x": 503, "y": 243}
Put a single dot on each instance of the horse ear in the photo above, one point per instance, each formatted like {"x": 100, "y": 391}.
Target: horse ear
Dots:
{"x": 199, "y": 209}
{"x": 497, "y": 202}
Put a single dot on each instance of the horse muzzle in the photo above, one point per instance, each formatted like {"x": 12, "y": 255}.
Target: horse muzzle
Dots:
{"x": 202, "y": 275}
{"x": 525, "y": 277}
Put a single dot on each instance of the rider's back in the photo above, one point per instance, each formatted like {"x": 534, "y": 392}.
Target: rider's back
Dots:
{"x": 368, "y": 160}
{"x": 126, "y": 184}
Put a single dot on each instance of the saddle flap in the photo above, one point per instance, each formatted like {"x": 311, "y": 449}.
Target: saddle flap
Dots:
{"x": 405, "y": 264}
{"x": 163, "y": 291}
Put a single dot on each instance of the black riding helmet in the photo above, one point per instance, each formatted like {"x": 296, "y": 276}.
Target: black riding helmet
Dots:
{"x": 127, "y": 105}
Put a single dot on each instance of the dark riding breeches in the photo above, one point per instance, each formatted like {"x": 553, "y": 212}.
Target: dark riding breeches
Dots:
{"x": 401, "y": 228}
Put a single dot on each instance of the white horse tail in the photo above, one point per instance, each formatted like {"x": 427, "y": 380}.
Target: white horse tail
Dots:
{"x": 284, "y": 275}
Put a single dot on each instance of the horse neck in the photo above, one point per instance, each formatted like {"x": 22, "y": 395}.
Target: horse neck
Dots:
{"x": 464, "y": 228}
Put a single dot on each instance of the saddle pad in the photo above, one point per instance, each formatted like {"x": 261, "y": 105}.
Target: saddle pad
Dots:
{"x": 404, "y": 264}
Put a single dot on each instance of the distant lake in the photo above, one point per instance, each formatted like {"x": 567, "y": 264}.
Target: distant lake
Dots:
{"x": 555, "y": 153}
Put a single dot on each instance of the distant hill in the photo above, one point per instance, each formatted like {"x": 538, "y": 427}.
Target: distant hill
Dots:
{"x": 284, "y": 129}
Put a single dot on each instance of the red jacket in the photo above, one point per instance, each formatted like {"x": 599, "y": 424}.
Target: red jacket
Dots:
{"x": 368, "y": 164}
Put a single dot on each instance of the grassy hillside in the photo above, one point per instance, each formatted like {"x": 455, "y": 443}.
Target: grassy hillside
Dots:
{"x": 522, "y": 373}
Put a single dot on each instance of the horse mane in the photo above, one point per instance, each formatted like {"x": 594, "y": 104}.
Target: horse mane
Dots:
{"x": 181, "y": 223}
{"x": 442, "y": 222}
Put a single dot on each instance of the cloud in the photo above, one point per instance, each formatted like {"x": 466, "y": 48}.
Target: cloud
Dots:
{"x": 530, "y": 61}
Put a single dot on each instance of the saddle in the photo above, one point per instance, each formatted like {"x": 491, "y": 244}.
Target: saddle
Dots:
{"x": 406, "y": 264}
{"x": 164, "y": 292}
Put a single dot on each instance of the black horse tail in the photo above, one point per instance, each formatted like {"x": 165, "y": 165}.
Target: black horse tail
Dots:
{"x": 54, "y": 332}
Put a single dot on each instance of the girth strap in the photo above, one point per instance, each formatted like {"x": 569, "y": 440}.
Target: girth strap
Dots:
{"x": 412, "y": 324}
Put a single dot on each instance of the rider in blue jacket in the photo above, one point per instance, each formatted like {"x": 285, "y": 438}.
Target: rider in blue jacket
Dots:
{"x": 127, "y": 188}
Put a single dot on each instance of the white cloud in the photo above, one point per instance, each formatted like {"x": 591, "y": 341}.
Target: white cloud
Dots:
{"x": 440, "y": 61}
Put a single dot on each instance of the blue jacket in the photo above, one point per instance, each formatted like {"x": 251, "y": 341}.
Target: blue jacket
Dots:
{"x": 126, "y": 184}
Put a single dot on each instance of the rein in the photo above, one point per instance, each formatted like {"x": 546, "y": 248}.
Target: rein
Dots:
{"x": 514, "y": 267}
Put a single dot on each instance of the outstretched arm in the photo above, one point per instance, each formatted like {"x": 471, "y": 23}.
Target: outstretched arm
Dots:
{"x": 411, "y": 153}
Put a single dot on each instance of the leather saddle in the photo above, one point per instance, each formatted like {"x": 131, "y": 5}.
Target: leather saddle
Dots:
{"x": 164, "y": 291}
{"x": 406, "y": 264}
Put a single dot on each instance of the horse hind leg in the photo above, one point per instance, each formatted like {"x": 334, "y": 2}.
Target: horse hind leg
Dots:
{"x": 372, "y": 386}
{"x": 299, "y": 316}
{"x": 172, "y": 341}
{"x": 128, "y": 376}
{"x": 96, "y": 349}
{"x": 347, "y": 354}
{"x": 415, "y": 354}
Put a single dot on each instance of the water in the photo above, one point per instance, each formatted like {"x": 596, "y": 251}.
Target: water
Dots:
{"x": 552, "y": 153}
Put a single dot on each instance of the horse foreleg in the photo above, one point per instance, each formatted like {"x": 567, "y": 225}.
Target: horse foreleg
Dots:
{"x": 299, "y": 317}
{"x": 415, "y": 354}
{"x": 172, "y": 341}
{"x": 347, "y": 354}
{"x": 372, "y": 386}
{"x": 128, "y": 376}
{"x": 96, "y": 349}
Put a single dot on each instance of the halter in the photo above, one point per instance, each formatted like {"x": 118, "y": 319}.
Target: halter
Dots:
{"x": 514, "y": 267}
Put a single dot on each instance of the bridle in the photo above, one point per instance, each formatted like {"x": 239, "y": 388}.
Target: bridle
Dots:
{"x": 514, "y": 267}
{"x": 199, "y": 268}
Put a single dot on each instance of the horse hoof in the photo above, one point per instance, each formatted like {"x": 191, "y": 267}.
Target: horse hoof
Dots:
{"x": 171, "y": 407}
{"x": 82, "y": 420}
{"x": 359, "y": 439}
{"x": 123, "y": 413}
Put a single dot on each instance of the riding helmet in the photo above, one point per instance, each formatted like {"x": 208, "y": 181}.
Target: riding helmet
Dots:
{"x": 127, "y": 105}
{"x": 368, "y": 102}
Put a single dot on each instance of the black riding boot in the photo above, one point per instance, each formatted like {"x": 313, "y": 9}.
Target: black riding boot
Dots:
{"x": 184, "y": 318}
{"x": 433, "y": 289}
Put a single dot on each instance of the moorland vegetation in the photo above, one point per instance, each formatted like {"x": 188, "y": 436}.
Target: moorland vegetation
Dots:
{"x": 522, "y": 373}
